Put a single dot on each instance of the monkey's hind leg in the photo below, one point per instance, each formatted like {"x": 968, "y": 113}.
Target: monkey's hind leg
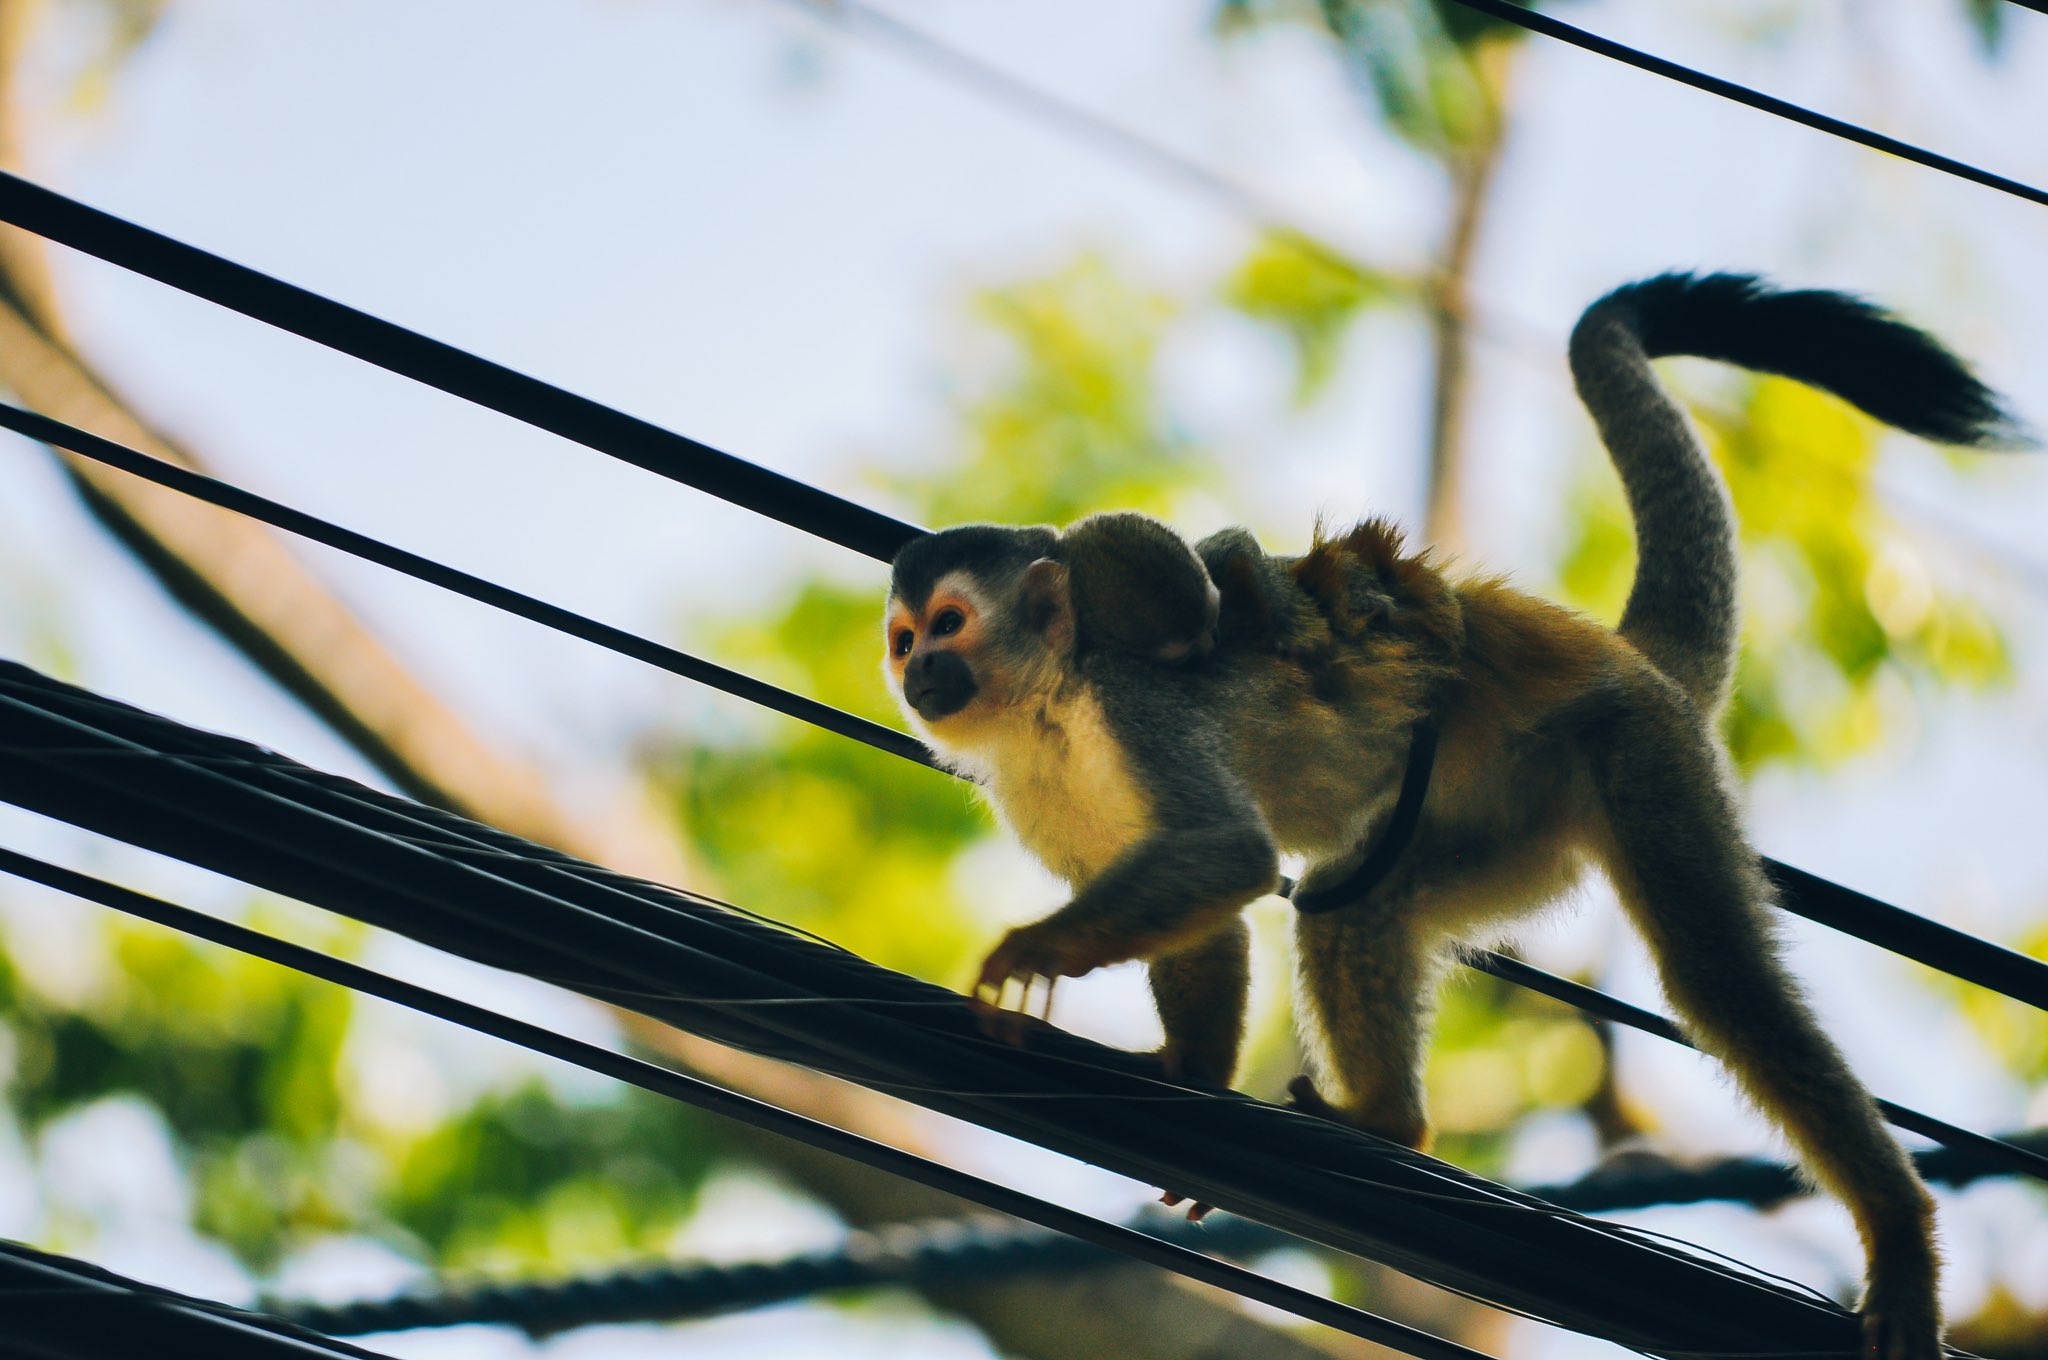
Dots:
{"x": 1694, "y": 889}
{"x": 1366, "y": 984}
{"x": 1200, "y": 991}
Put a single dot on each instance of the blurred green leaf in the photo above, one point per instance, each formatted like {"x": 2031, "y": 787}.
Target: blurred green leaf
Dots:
{"x": 1312, "y": 295}
{"x": 1987, "y": 18}
{"x": 1073, "y": 421}
{"x": 522, "y": 1180}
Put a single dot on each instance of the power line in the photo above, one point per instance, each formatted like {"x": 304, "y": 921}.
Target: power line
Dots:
{"x": 454, "y": 371}
{"x": 1521, "y": 17}
{"x": 230, "y": 497}
{"x": 717, "y": 1100}
{"x": 250, "y": 813}
{"x": 2023, "y": 1160}
{"x": 60, "y": 1309}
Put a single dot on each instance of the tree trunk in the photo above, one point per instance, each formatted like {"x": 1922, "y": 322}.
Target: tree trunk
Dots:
{"x": 1472, "y": 168}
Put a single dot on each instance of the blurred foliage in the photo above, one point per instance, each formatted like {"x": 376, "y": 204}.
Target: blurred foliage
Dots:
{"x": 245, "y": 1061}
{"x": 2014, "y": 1031}
{"x": 1424, "y": 64}
{"x": 115, "y": 31}
{"x": 849, "y": 841}
{"x": 1843, "y": 623}
{"x": 1500, "y": 1054}
{"x": 1988, "y": 19}
{"x": 1073, "y": 421}
{"x": 1313, "y": 295}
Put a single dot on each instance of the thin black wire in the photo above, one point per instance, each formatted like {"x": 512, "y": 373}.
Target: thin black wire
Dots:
{"x": 754, "y": 1113}
{"x": 454, "y": 371}
{"x": 1841, "y": 908}
{"x": 1205, "y": 1148}
{"x": 1595, "y": 1002}
{"x": 1521, "y": 17}
{"x": 53, "y": 1306}
{"x": 230, "y": 497}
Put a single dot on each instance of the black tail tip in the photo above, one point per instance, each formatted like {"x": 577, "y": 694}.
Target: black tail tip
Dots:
{"x": 1838, "y": 342}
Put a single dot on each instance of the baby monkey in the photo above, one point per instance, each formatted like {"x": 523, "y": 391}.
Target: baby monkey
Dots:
{"x": 1159, "y": 725}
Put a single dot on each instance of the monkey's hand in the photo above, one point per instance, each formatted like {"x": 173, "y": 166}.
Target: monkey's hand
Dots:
{"x": 1044, "y": 952}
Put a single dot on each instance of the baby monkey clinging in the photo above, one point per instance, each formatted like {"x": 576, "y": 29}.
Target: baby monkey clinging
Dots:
{"x": 1159, "y": 724}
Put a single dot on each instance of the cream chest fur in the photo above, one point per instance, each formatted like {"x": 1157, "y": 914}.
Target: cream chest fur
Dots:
{"x": 1058, "y": 778}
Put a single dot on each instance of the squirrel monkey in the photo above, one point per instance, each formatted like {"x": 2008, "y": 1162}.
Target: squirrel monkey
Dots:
{"x": 1159, "y": 725}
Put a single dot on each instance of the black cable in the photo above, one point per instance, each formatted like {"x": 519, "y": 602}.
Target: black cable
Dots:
{"x": 55, "y": 1308}
{"x": 1322, "y": 1182}
{"x": 2024, "y": 1161}
{"x": 717, "y": 1100}
{"x": 457, "y": 372}
{"x": 955, "y": 1251}
{"x": 230, "y": 497}
{"x": 1520, "y": 16}
{"x": 1902, "y": 932}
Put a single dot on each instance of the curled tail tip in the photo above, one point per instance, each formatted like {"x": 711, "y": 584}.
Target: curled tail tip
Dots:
{"x": 1862, "y": 353}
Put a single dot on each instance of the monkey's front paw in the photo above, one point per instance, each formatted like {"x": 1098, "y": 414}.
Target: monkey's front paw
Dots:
{"x": 1027, "y": 956}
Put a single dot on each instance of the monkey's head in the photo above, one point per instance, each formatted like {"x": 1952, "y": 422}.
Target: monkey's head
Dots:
{"x": 980, "y": 618}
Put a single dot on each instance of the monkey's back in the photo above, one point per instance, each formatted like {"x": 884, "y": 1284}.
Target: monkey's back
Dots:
{"x": 1327, "y": 662}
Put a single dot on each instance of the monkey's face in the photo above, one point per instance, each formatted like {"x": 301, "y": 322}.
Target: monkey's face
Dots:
{"x": 967, "y": 652}
{"x": 932, "y": 649}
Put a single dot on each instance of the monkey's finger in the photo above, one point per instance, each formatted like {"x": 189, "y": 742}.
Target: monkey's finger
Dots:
{"x": 1169, "y": 1199}
{"x": 1027, "y": 1015}
{"x": 1199, "y": 1211}
{"x": 994, "y": 971}
{"x": 1044, "y": 1012}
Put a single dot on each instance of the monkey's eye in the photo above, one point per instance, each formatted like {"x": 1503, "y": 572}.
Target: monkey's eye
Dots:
{"x": 902, "y": 642}
{"x": 949, "y": 622}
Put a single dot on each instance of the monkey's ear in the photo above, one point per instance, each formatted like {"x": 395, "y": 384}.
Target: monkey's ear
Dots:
{"x": 1049, "y": 602}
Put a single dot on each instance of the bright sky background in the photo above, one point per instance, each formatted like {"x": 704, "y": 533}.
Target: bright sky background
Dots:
{"x": 729, "y": 218}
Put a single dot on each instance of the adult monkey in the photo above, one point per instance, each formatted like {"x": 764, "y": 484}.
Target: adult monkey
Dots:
{"x": 1158, "y": 725}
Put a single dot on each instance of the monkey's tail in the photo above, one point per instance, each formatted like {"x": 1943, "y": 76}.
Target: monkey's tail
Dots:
{"x": 1682, "y": 610}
